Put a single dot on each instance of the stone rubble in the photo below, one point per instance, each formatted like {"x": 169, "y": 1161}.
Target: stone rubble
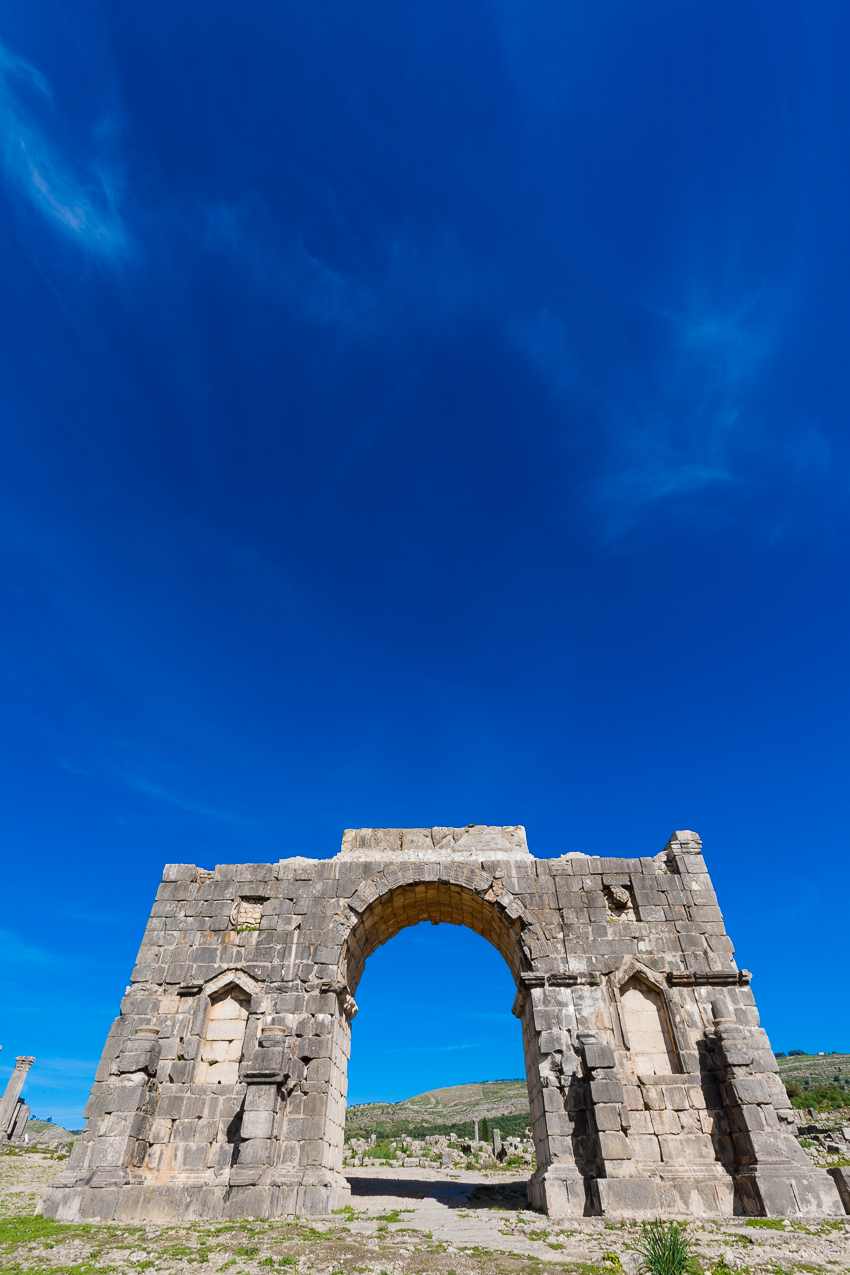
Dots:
{"x": 438, "y": 1149}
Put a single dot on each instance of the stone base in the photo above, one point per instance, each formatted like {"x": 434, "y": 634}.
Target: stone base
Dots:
{"x": 787, "y": 1190}
{"x": 559, "y": 1190}
{"x": 668, "y": 1194}
{"x": 695, "y": 1191}
{"x": 310, "y": 1193}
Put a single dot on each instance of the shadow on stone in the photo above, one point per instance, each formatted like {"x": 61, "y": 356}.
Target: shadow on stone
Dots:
{"x": 459, "y": 1195}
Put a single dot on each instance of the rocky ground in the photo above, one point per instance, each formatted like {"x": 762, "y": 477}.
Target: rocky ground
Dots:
{"x": 401, "y": 1222}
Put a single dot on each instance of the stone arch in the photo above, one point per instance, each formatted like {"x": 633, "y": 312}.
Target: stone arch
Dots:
{"x": 378, "y": 913}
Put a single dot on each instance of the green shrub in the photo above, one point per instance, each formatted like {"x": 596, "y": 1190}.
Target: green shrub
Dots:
{"x": 665, "y": 1249}
{"x": 823, "y": 1097}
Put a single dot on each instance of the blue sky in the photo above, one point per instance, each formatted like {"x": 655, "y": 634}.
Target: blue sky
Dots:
{"x": 420, "y": 415}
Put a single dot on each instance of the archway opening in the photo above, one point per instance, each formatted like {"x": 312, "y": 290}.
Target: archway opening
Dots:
{"x": 435, "y": 1010}
{"x": 434, "y": 1013}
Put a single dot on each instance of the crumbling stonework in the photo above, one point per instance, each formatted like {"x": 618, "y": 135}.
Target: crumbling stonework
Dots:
{"x": 653, "y": 1090}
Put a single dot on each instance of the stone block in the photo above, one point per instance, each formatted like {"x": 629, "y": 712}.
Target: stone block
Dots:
{"x": 676, "y": 1097}
{"x": 666, "y": 1122}
{"x": 554, "y": 1042}
{"x": 599, "y": 1056}
{"x": 614, "y": 1146}
{"x": 560, "y": 1122}
{"x": 607, "y": 1116}
{"x": 261, "y": 1098}
{"x": 112, "y": 1152}
{"x": 748, "y": 1089}
{"x": 645, "y": 1147}
{"x": 160, "y": 1131}
{"x": 641, "y": 1122}
{"x": 606, "y": 1091}
{"x": 257, "y": 1124}
{"x": 736, "y": 1053}
{"x": 769, "y": 1147}
{"x": 179, "y": 872}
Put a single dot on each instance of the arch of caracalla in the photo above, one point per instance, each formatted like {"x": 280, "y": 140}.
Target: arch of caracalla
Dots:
{"x": 653, "y": 1089}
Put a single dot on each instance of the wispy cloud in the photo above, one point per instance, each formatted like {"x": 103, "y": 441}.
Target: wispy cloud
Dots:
{"x": 431, "y": 280}
{"x": 83, "y": 208}
{"x": 156, "y": 790}
{"x": 16, "y": 953}
{"x": 682, "y": 419}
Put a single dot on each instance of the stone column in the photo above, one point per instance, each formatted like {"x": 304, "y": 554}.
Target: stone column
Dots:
{"x": 556, "y": 1096}
{"x": 22, "y": 1117}
{"x": 773, "y": 1175}
{"x": 9, "y": 1101}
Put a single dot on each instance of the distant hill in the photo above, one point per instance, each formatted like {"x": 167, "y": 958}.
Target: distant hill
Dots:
{"x": 816, "y": 1069}
{"x": 46, "y": 1133}
{"x": 451, "y": 1110}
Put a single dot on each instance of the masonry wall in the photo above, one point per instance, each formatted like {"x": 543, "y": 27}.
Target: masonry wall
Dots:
{"x": 652, "y": 1086}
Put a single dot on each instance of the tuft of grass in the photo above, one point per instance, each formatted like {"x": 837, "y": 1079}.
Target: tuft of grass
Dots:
{"x": 201, "y": 1254}
{"x": 665, "y": 1249}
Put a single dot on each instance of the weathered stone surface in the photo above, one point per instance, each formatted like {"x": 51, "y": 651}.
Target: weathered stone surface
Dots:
{"x": 221, "y": 1090}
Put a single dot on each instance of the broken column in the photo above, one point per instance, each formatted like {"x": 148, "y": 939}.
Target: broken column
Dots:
{"x": 10, "y": 1100}
{"x": 21, "y": 1120}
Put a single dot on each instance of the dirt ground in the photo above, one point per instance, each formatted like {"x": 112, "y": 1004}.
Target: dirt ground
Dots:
{"x": 400, "y": 1223}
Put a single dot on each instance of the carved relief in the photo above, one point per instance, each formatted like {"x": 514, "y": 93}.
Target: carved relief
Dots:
{"x": 619, "y": 903}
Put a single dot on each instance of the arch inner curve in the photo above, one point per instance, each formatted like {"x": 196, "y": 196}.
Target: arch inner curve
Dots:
{"x": 440, "y": 903}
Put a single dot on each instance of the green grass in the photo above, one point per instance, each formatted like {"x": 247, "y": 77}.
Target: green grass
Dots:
{"x": 190, "y": 1254}
{"x": 25, "y": 1230}
{"x": 79, "y": 1268}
